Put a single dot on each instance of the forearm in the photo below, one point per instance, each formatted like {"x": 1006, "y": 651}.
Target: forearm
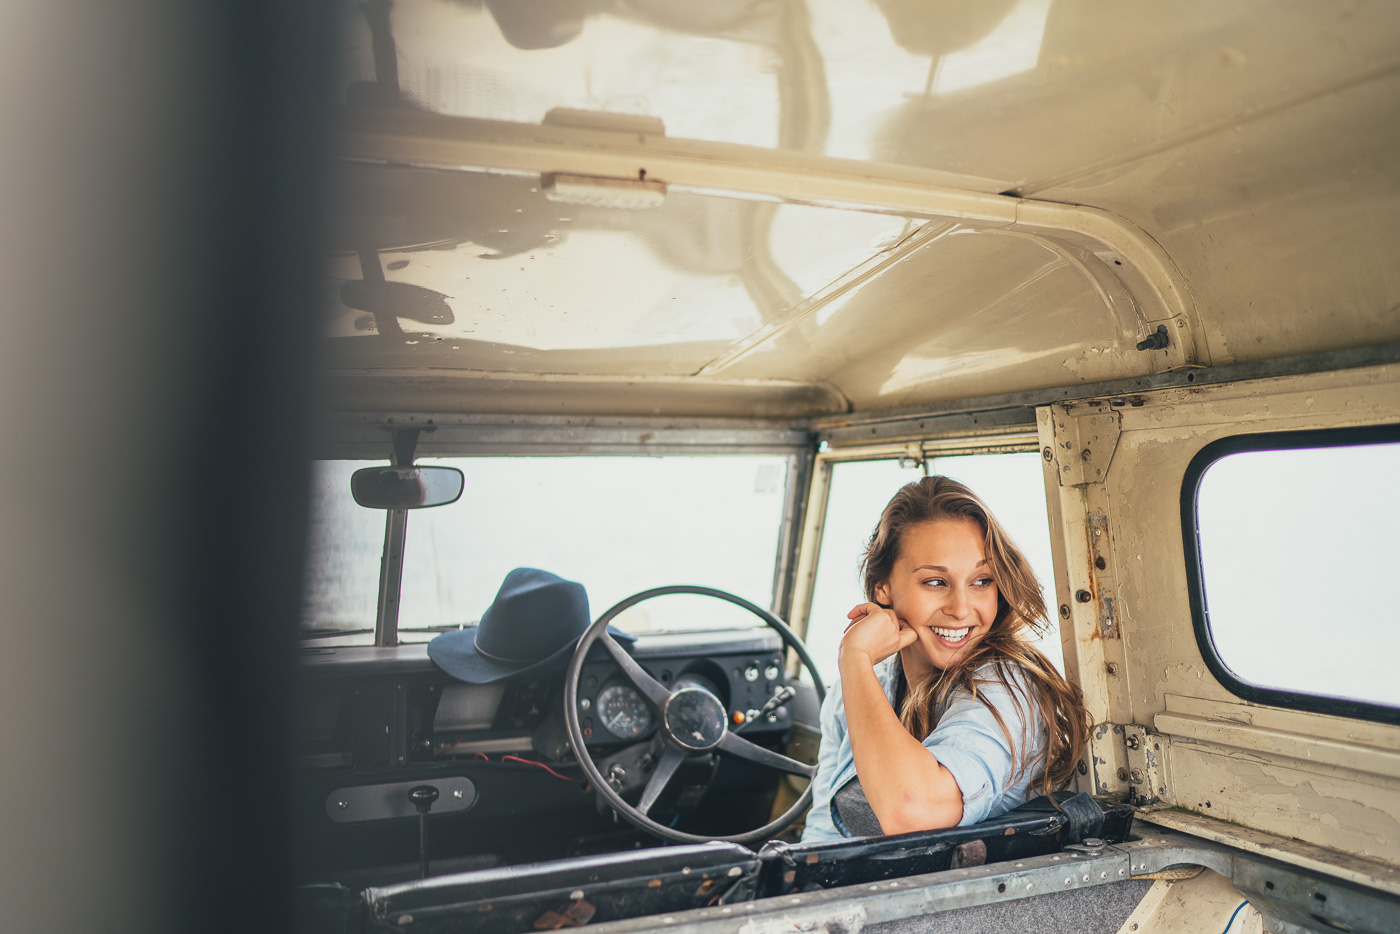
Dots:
{"x": 907, "y": 787}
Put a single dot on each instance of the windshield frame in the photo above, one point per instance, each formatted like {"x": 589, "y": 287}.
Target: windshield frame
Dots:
{"x": 370, "y": 439}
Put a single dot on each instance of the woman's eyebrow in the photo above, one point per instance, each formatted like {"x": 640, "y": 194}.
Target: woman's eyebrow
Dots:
{"x": 939, "y": 567}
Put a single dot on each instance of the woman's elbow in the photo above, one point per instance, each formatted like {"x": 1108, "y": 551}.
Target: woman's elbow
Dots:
{"x": 921, "y": 816}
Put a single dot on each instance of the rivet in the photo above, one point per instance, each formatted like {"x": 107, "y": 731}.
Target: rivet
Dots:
{"x": 1069, "y": 880}
{"x": 1048, "y": 454}
{"x": 1083, "y": 596}
{"x": 1030, "y": 886}
{"x": 1085, "y": 454}
{"x": 1064, "y": 611}
{"x": 1112, "y": 668}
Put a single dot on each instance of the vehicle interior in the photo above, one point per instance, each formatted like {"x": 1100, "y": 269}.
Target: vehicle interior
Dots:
{"x": 668, "y": 299}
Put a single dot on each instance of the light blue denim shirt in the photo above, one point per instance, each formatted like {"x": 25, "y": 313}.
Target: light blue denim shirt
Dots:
{"x": 967, "y": 741}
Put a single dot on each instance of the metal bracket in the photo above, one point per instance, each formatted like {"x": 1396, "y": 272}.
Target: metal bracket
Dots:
{"x": 1147, "y": 772}
{"x": 1109, "y": 766}
{"x": 1084, "y": 444}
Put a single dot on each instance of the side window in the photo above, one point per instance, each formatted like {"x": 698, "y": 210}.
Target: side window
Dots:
{"x": 1292, "y": 540}
{"x": 1012, "y": 485}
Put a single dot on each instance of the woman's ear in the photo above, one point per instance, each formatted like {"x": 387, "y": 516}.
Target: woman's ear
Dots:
{"x": 882, "y": 593}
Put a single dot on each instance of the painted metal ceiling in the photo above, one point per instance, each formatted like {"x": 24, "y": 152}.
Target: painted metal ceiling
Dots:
{"x": 779, "y": 208}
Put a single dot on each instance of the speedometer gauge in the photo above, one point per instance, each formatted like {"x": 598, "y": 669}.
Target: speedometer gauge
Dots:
{"x": 623, "y": 712}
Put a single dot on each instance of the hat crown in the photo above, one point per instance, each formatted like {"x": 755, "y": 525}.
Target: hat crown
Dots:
{"x": 535, "y": 614}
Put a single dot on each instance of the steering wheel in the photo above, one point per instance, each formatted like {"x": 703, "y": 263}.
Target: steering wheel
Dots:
{"x": 691, "y": 721}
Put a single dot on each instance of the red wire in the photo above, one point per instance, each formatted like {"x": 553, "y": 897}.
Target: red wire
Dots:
{"x": 482, "y": 755}
{"x": 543, "y": 766}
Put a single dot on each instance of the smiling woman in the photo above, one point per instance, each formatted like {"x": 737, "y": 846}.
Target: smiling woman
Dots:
{"x": 945, "y": 713}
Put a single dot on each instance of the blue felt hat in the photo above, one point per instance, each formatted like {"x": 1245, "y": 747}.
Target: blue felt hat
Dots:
{"x": 531, "y": 628}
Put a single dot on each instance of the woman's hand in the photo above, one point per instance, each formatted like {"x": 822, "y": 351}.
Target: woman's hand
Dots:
{"x": 873, "y": 634}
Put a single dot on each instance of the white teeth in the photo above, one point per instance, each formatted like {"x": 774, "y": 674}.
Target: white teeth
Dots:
{"x": 952, "y": 635}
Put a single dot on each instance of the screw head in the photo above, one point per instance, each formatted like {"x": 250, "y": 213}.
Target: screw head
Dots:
{"x": 1112, "y": 668}
{"x": 1122, "y": 775}
{"x": 1064, "y": 611}
{"x": 1083, "y": 596}
{"x": 1048, "y": 454}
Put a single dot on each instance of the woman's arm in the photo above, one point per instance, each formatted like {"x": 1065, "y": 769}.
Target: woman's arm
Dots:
{"x": 906, "y": 785}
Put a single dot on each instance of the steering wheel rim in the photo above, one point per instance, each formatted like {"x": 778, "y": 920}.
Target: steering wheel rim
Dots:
{"x": 659, "y": 698}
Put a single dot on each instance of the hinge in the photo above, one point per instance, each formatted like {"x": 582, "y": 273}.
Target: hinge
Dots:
{"x": 1147, "y": 764}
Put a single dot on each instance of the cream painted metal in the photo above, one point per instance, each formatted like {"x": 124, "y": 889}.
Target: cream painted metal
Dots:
{"x": 1181, "y": 739}
{"x": 854, "y": 207}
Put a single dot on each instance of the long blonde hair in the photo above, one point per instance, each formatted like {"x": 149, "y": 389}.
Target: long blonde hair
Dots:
{"x": 1013, "y": 661}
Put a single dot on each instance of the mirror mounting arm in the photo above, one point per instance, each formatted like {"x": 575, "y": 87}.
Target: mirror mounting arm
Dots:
{"x": 386, "y": 616}
{"x": 405, "y": 442}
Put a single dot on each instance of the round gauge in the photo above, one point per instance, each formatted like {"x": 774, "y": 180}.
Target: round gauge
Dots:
{"x": 623, "y": 711}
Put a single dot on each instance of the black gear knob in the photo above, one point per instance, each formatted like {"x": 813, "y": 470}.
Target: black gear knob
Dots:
{"x": 423, "y": 797}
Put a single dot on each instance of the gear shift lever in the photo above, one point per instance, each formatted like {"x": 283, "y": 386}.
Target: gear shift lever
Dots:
{"x": 423, "y": 797}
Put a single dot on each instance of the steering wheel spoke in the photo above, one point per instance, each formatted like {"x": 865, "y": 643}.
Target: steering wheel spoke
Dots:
{"x": 652, "y": 689}
{"x": 671, "y": 760}
{"x": 736, "y": 745}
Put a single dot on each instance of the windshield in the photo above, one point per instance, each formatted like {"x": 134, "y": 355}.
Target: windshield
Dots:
{"x": 618, "y": 525}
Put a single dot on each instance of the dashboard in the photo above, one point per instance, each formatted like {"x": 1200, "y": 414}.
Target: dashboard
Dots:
{"x": 372, "y": 723}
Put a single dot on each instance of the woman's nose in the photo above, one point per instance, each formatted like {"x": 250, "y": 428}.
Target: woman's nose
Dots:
{"x": 957, "y": 605}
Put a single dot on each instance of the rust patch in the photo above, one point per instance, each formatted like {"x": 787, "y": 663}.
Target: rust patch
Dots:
{"x": 575, "y": 915}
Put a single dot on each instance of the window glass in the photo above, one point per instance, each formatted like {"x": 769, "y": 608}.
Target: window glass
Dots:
{"x": 1293, "y": 546}
{"x": 1013, "y": 487}
{"x": 617, "y": 525}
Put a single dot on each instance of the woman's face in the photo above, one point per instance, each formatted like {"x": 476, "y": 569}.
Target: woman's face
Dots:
{"x": 942, "y": 588}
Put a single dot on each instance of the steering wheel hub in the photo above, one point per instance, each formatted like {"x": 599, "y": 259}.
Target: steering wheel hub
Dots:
{"x": 693, "y": 719}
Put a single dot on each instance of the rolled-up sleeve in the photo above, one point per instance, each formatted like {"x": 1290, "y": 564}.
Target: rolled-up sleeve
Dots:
{"x": 971, "y": 745}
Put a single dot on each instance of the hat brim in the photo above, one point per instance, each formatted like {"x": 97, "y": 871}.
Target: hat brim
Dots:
{"x": 456, "y": 653}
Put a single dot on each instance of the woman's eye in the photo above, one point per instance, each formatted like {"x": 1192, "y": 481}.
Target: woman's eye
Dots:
{"x": 984, "y": 582}
{"x": 935, "y": 581}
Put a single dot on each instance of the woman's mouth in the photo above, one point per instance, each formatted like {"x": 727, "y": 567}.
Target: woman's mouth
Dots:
{"x": 952, "y": 636}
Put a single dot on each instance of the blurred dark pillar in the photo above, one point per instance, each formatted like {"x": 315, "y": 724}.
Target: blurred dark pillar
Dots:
{"x": 159, "y": 169}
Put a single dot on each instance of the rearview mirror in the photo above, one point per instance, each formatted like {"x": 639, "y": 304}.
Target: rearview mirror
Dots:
{"x": 406, "y": 487}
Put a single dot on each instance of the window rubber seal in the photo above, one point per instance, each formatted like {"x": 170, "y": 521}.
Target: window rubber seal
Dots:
{"x": 1191, "y": 546}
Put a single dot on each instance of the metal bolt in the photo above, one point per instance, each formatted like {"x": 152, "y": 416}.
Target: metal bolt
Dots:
{"x": 1100, "y": 563}
{"x": 585, "y": 703}
{"x": 1132, "y": 742}
{"x": 1112, "y": 668}
{"x": 1083, "y": 596}
{"x": 1085, "y": 454}
{"x": 1083, "y": 769}
{"x": 1137, "y": 776}
{"x": 1122, "y": 775}
{"x": 1048, "y": 454}
{"x": 1064, "y": 611}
